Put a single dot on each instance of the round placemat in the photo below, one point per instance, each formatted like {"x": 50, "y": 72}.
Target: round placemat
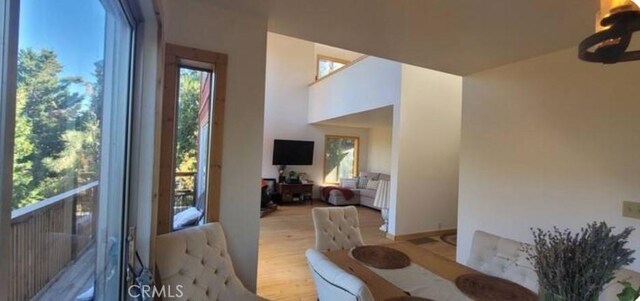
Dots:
{"x": 381, "y": 257}
{"x": 408, "y": 298}
{"x": 487, "y": 288}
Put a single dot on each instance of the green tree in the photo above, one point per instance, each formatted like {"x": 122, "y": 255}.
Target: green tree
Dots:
{"x": 51, "y": 108}
{"x": 75, "y": 165}
{"x": 188, "y": 108}
{"x": 97, "y": 90}
{"x": 24, "y": 188}
{"x": 57, "y": 137}
{"x": 79, "y": 161}
{"x": 92, "y": 124}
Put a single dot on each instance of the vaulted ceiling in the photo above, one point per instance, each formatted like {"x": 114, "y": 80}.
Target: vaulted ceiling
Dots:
{"x": 454, "y": 36}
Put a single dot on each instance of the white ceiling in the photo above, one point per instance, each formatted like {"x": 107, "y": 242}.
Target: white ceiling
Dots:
{"x": 382, "y": 117}
{"x": 454, "y": 36}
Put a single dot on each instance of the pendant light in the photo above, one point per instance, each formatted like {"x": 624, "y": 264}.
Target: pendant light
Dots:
{"x": 616, "y": 22}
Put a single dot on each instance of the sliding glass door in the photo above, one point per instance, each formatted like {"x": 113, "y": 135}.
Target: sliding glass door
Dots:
{"x": 69, "y": 161}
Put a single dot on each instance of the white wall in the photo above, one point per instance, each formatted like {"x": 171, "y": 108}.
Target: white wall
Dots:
{"x": 426, "y": 137}
{"x": 369, "y": 84}
{"x": 550, "y": 141}
{"x": 420, "y": 150}
{"x": 242, "y": 36}
{"x": 379, "y": 159}
{"x": 290, "y": 69}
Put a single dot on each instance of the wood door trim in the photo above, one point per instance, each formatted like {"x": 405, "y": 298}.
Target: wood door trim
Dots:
{"x": 174, "y": 55}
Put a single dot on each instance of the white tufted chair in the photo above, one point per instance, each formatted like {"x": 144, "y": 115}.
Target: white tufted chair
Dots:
{"x": 336, "y": 228}
{"x": 333, "y": 283}
{"x": 503, "y": 258}
{"x": 197, "y": 259}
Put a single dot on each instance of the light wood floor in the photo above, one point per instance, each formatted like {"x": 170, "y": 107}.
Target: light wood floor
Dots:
{"x": 286, "y": 234}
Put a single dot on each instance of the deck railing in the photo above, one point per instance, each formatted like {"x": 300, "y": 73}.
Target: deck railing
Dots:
{"x": 184, "y": 193}
{"x": 48, "y": 235}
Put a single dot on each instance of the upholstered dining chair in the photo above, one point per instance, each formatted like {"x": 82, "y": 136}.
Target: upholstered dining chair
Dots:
{"x": 337, "y": 228}
{"x": 333, "y": 283}
{"x": 196, "y": 258}
{"x": 505, "y": 258}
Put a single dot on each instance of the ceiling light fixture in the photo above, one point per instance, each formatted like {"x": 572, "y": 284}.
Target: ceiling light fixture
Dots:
{"x": 616, "y": 22}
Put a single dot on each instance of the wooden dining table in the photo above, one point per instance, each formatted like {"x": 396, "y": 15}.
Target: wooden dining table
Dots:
{"x": 382, "y": 289}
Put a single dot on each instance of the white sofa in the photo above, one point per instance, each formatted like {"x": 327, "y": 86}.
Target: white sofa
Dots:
{"x": 505, "y": 258}
{"x": 361, "y": 195}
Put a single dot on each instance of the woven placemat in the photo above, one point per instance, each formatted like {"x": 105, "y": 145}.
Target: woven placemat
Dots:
{"x": 381, "y": 257}
{"x": 408, "y": 298}
{"x": 487, "y": 288}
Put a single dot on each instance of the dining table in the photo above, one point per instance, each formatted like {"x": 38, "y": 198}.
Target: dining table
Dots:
{"x": 430, "y": 275}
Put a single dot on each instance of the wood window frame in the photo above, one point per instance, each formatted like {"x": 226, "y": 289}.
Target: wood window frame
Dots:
{"x": 174, "y": 58}
{"x": 356, "y": 163}
{"x": 320, "y": 57}
{"x": 10, "y": 12}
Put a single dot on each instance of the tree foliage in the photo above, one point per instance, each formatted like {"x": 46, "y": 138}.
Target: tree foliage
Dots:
{"x": 57, "y": 133}
{"x": 49, "y": 105}
{"x": 188, "y": 109}
{"x": 23, "y": 184}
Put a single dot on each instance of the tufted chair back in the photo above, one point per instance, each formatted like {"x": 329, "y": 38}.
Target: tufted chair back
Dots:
{"x": 503, "y": 258}
{"x": 337, "y": 228}
{"x": 333, "y": 283}
{"x": 196, "y": 258}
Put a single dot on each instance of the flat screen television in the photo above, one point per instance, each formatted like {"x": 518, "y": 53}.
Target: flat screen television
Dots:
{"x": 292, "y": 152}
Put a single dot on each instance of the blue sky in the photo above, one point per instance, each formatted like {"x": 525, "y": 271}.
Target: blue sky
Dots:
{"x": 74, "y": 29}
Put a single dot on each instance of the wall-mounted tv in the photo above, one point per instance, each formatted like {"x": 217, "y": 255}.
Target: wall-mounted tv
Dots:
{"x": 292, "y": 152}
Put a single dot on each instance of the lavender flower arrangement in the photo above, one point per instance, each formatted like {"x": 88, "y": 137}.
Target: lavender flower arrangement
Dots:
{"x": 576, "y": 267}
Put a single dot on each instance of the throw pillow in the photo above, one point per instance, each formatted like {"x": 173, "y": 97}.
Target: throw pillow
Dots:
{"x": 362, "y": 182}
{"x": 372, "y": 184}
{"x": 187, "y": 217}
{"x": 349, "y": 183}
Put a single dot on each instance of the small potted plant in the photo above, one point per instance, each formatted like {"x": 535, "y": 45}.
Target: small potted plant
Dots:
{"x": 576, "y": 267}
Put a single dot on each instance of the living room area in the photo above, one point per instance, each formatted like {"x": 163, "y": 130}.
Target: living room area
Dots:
{"x": 332, "y": 138}
{"x": 300, "y": 157}
{"x": 405, "y": 150}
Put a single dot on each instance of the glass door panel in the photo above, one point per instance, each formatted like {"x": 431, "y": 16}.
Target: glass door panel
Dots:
{"x": 70, "y": 153}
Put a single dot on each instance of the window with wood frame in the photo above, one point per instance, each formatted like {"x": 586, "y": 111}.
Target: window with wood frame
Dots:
{"x": 327, "y": 65}
{"x": 341, "y": 154}
{"x": 191, "y": 141}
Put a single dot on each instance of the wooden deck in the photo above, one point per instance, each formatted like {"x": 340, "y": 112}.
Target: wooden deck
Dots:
{"x": 48, "y": 236}
{"x": 77, "y": 277}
